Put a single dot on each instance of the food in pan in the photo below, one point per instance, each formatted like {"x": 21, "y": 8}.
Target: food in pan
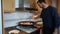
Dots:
{"x": 26, "y": 23}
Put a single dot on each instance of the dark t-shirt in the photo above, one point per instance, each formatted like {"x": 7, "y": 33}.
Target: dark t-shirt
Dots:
{"x": 50, "y": 17}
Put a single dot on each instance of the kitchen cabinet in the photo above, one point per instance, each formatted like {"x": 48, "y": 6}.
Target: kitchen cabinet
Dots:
{"x": 32, "y": 3}
{"x": 8, "y": 5}
{"x": 49, "y": 2}
{"x": 58, "y": 6}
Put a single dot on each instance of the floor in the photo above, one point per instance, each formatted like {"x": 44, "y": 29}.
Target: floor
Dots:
{"x": 11, "y": 19}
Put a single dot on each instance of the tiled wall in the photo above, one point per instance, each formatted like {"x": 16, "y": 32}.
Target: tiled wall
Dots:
{"x": 11, "y": 19}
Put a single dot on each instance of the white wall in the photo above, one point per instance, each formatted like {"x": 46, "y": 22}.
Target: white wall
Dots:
{"x": 16, "y": 17}
{"x": 0, "y": 19}
{"x": 16, "y": 3}
{"x": 21, "y": 3}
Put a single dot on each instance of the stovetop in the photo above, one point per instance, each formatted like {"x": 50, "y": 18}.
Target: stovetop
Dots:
{"x": 26, "y": 29}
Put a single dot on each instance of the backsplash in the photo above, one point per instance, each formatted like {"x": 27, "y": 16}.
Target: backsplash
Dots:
{"x": 11, "y": 19}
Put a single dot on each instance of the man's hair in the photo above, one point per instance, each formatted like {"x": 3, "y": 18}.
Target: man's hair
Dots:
{"x": 40, "y": 1}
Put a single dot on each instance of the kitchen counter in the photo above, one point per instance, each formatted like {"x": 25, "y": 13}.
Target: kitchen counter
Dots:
{"x": 21, "y": 32}
{"x": 27, "y": 29}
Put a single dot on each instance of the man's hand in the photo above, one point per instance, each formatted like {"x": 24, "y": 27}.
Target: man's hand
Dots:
{"x": 35, "y": 16}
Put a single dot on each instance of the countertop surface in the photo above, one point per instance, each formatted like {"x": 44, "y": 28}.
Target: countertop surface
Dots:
{"x": 21, "y": 32}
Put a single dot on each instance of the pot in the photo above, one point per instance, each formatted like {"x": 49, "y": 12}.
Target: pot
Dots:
{"x": 26, "y": 23}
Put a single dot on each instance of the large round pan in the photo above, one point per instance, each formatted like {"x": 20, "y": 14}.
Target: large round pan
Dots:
{"x": 26, "y": 23}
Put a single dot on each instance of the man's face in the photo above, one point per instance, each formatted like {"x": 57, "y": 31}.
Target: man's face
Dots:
{"x": 40, "y": 5}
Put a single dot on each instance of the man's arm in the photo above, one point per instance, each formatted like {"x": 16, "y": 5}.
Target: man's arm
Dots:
{"x": 36, "y": 16}
{"x": 56, "y": 17}
{"x": 56, "y": 20}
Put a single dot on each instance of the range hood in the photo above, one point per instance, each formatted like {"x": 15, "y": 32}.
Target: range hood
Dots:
{"x": 26, "y": 3}
{"x": 33, "y": 9}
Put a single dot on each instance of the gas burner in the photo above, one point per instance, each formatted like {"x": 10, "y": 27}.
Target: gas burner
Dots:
{"x": 26, "y": 29}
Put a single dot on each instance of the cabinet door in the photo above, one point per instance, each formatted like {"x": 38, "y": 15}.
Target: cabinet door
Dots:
{"x": 58, "y": 6}
{"x": 49, "y": 2}
{"x": 9, "y": 5}
{"x": 32, "y": 3}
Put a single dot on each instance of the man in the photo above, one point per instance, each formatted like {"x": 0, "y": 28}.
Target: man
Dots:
{"x": 49, "y": 16}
